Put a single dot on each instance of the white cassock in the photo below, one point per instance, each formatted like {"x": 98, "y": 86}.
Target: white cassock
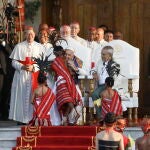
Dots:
{"x": 128, "y": 57}
{"x": 97, "y": 51}
{"x": 21, "y": 108}
{"x": 93, "y": 46}
{"x": 81, "y": 52}
{"x": 102, "y": 43}
{"x": 80, "y": 40}
{"x": 48, "y": 51}
{"x": 54, "y": 114}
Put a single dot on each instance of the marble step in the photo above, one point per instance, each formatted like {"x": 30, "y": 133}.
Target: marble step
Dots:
{"x": 11, "y": 132}
{"x": 7, "y": 143}
{"x": 8, "y": 137}
{"x": 134, "y": 132}
{"x": 6, "y": 148}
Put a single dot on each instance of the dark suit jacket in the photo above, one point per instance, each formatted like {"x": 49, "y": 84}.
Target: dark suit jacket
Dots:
{"x": 113, "y": 68}
{"x": 2, "y": 60}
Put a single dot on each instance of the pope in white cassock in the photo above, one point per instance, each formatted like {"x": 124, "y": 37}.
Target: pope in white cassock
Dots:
{"x": 82, "y": 52}
{"x": 21, "y": 108}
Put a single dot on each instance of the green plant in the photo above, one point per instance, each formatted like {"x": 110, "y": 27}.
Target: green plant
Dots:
{"x": 31, "y": 8}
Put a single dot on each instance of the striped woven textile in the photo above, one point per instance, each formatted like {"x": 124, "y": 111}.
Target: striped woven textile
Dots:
{"x": 114, "y": 105}
{"x": 65, "y": 87}
{"x": 42, "y": 107}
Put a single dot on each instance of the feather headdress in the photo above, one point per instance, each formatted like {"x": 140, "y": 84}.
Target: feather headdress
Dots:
{"x": 42, "y": 62}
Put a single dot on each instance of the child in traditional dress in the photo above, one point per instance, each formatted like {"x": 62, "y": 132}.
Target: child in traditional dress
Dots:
{"x": 111, "y": 101}
{"x": 42, "y": 99}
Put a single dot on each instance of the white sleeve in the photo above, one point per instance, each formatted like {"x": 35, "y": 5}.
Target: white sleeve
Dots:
{"x": 82, "y": 71}
{"x": 17, "y": 65}
{"x": 35, "y": 67}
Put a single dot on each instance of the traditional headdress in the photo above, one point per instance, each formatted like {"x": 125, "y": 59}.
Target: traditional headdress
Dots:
{"x": 43, "y": 63}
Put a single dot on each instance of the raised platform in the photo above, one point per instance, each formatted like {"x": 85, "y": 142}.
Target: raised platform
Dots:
{"x": 45, "y": 138}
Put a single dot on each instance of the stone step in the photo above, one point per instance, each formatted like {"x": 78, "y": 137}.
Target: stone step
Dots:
{"x": 134, "y": 132}
{"x": 9, "y": 131}
{"x": 7, "y": 143}
{"x": 5, "y": 148}
{"x": 8, "y": 137}
{"x": 8, "y": 123}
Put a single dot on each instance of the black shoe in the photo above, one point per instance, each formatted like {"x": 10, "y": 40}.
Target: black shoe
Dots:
{"x": 21, "y": 123}
{"x": 71, "y": 124}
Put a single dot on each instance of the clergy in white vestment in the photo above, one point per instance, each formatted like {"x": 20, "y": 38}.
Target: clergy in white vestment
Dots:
{"x": 75, "y": 29}
{"x": 90, "y": 43}
{"x": 21, "y": 109}
{"x": 48, "y": 51}
{"x": 82, "y": 52}
{"x": 109, "y": 35}
{"x": 128, "y": 58}
{"x": 101, "y": 43}
{"x": 48, "y": 48}
{"x": 100, "y": 37}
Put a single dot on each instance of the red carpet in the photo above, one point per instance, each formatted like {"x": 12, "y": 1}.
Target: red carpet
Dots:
{"x": 57, "y": 138}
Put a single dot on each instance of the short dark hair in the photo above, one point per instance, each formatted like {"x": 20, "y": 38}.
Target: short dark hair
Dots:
{"x": 58, "y": 50}
{"x": 109, "y": 81}
{"x": 105, "y": 27}
{"x": 109, "y": 31}
{"x": 41, "y": 78}
{"x": 110, "y": 118}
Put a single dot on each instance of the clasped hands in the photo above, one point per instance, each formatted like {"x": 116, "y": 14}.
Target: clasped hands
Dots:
{"x": 28, "y": 67}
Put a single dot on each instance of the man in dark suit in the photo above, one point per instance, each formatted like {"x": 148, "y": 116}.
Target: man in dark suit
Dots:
{"x": 2, "y": 74}
{"x": 6, "y": 73}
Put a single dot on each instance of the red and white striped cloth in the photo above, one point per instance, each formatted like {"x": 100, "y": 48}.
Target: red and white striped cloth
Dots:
{"x": 42, "y": 107}
{"x": 114, "y": 105}
{"x": 65, "y": 87}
